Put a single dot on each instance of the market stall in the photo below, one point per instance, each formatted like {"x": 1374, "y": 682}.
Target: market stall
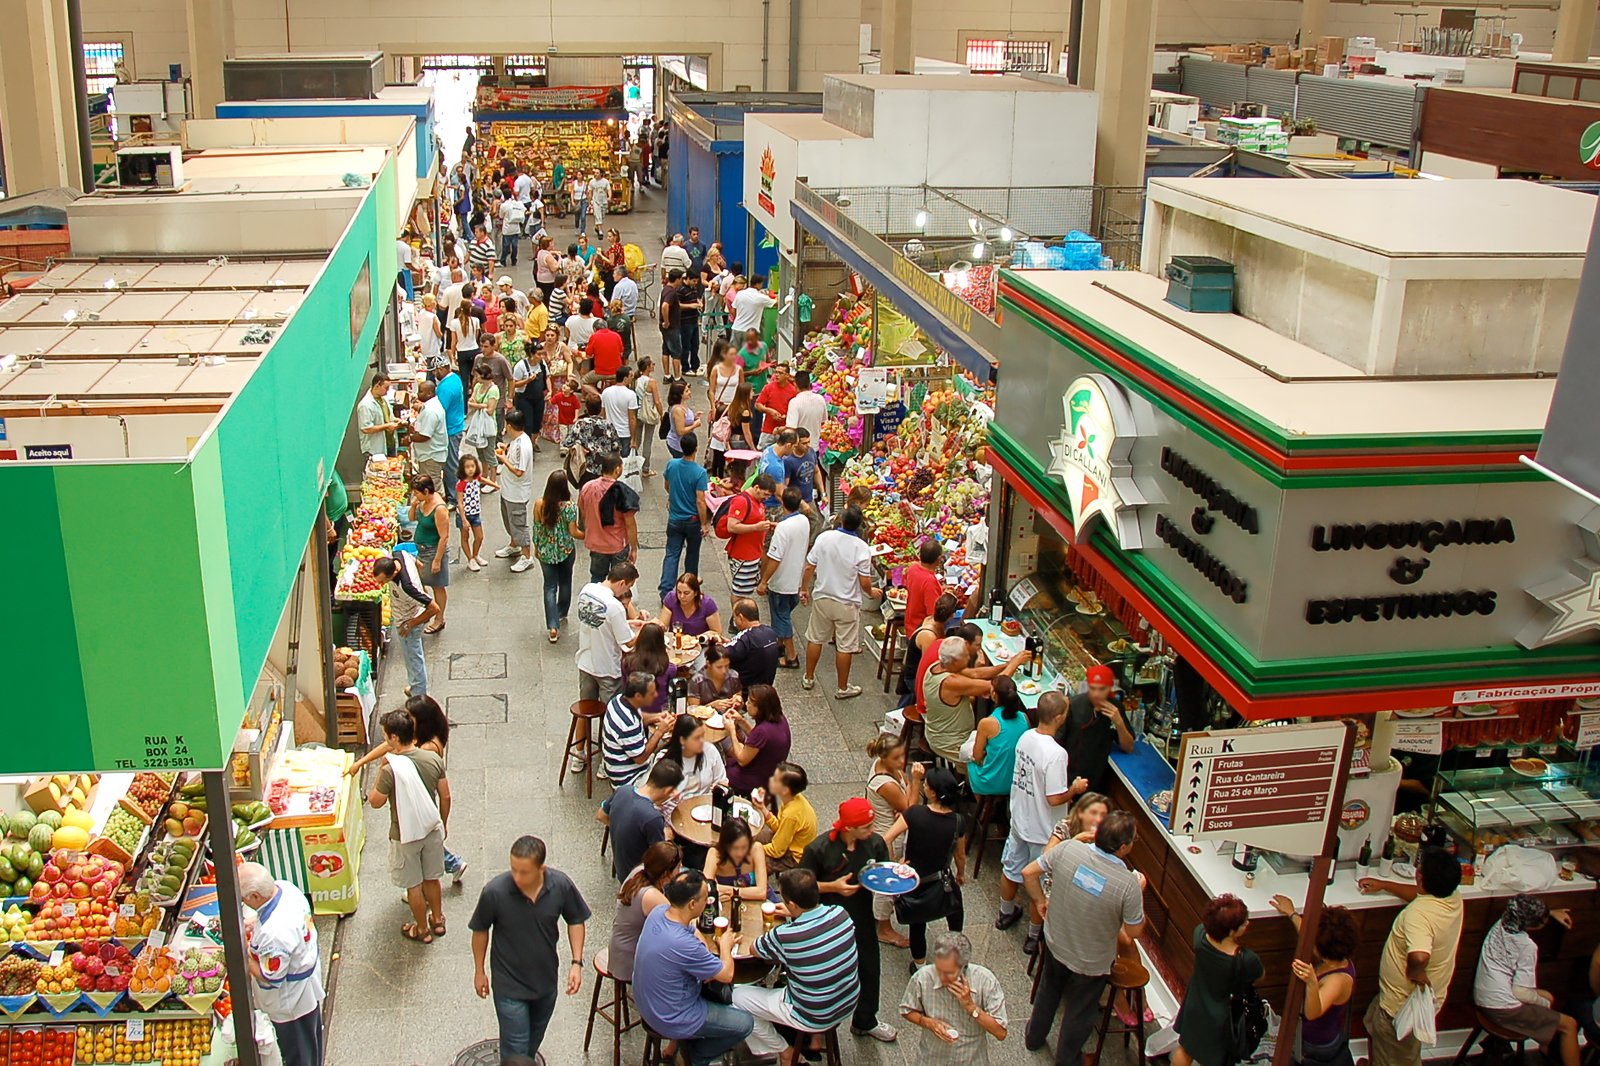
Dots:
{"x": 1250, "y": 533}
{"x": 582, "y": 127}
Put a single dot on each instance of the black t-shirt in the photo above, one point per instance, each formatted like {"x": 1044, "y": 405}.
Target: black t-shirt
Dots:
{"x": 831, "y": 859}
{"x": 524, "y": 947}
{"x": 1088, "y": 736}
{"x": 755, "y": 654}
{"x": 930, "y": 839}
{"x": 671, "y": 309}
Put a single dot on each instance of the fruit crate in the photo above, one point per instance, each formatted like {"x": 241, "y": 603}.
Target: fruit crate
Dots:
{"x": 352, "y": 723}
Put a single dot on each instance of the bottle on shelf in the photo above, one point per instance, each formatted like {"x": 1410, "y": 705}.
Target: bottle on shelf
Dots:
{"x": 1364, "y": 860}
{"x": 997, "y": 605}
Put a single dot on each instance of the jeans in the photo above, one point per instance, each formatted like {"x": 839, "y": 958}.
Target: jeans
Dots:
{"x": 725, "y": 1029}
{"x": 1081, "y": 993}
{"x": 782, "y": 605}
{"x": 408, "y": 283}
{"x": 600, "y": 563}
{"x": 583, "y": 216}
{"x": 452, "y": 862}
{"x": 416, "y": 665}
{"x": 557, "y": 591}
{"x": 646, "y": 441}
{"x": 683, "y": 539}
{"x": 508, "y": 248}
{"x": 452, "y": 464}
{"x": 522, "y": 1023}
{"x": 690, "y": 332}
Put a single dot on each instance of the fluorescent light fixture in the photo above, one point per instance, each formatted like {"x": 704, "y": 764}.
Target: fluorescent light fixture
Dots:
{"x": 1006, "y": 234}
{"x": 922, "y": 219}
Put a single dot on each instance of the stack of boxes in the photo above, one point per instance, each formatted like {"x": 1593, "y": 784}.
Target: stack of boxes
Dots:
{"x": 1331, "y": 50}
{"x": 1265, "y": 135}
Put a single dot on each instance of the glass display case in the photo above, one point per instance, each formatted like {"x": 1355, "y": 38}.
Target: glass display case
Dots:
{"x": 1545, "y": 800}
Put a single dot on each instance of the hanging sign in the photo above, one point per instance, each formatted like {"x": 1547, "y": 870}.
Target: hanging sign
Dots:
{"x": 1272, "y": 789}
{"x": 1422, "y": 738}
{"x": 872, "y": 389}
{"x": 1588, "y": 731}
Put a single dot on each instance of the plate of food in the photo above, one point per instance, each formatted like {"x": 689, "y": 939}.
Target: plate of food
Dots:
{"x": 1161, "y": 802}
{"x": 1418, "y": 712}
{"x": 1029, "y": 687}
{"x": 888, "y": 878}
{"x": 1478, "y": 710}
{"x": 1530, "y": 766}
{"x": 1011, "y": 627}
{"x": 896, "y": 596}
{"x": 1119, "y": 647}
{"x": 1090, "y": 604}
{"x": 997, "y": 648}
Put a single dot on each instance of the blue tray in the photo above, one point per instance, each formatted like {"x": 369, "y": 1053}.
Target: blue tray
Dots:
{"x": 880, "y": 877}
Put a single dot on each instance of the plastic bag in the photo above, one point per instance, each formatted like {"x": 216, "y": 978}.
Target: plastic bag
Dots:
{"x": 1512, "y": 868}
{"x": 633, "y": 472}
{"x": 1417, "y": 1016}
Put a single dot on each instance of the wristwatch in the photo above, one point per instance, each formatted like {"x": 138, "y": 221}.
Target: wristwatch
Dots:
{"x": 976, "y": 1011}
{"x": 577, "y": 962}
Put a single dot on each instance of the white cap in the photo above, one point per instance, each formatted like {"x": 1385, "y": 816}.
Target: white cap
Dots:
{"x": 505, "y": 279}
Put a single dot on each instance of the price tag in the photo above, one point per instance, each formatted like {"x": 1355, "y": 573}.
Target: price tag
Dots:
{"x": 126, "y": 910}
{"x": 1022, "y": 592}
{"x": 1421, "y": 738}
{"x": 57, "y": 955}
{"x": 1588, "y": 731}
{"x": 157, "y": 938}
{"x": 135, "y": 1033}
{"x": 69, "y": 909}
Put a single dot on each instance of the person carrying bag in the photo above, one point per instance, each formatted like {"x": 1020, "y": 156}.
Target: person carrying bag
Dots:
{"x": 933, "y": 832}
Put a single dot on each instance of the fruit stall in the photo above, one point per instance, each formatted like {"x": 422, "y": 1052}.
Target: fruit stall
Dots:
{"x": 98, "y": 963}
{"x": 362, "y": 599}
{"x": 316, "y": 839}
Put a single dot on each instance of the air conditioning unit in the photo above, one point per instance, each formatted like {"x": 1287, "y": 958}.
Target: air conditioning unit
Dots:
{"x": 150, "y": 167}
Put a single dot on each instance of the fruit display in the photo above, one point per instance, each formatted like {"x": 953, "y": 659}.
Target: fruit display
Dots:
{"x": 126, "y": 830}
{"x": 152, "y": 973}
{"x": 166, "y": 869}
{"x": 59, "y": 791}
{"x": 183, "y": 1042}
{"x": 375, "y": 525}
{"x": 19, "y": 975}
{"x": 38, "y": 1046}
{"x": 73, "y": 834}
{"x": 199, "y": 973}
{"x": 101, "y": 966}
{"x": 22, "y": 861}
{"x": 14, "y": 926}
{"x": 56, "y": 980}
{"x": 346, "y": 667}
{"x": 356, "y": 579}
{"x": 73, "y": 895}
{"x": 184, "y": 819}
{"x": 148, "y": 793}
{"x": 143, "y": 920}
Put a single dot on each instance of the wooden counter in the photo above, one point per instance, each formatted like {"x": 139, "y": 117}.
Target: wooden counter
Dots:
{"x": 1176, "y": 894}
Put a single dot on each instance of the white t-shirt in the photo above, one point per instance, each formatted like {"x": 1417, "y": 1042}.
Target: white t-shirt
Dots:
{"x": 451, "y": 299}
{"x": 512, "y": 215}
{"x": 600, "y": 191}
{"x": 1506, "y": 960}
{"x": 617, "y": 401}
{"x": 430, "y": 423}
{"x": 602, "y": 631}
{"x": 403, "y": 250}
{"x": 807, "y": 411}
{"x": 523, "y": 188}
{"x": 466, "y": 341}
{"x": 788, "y": 549}
{"x": 519, "y": 453}
{"x": 580, "y": 329}
{"x": 748, "y": 305}
{"x": 1041, "y": 771}
{"x": 841, "y": 560}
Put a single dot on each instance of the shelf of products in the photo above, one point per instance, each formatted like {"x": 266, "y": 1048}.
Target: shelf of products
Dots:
{"x": 578, "y": 144}
{"x": 1531, "y": 802}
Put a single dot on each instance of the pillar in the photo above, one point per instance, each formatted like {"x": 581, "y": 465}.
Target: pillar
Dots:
{"x": 1123, "y": 63}
{"x": 1090, "y": 45}
{"x": 1574, "y": 31}
{"x": 1313, "y": 22}
{"x": 896, "y": 53}
{"x": 38, "y": 119}
{"x": 210, "y": 42}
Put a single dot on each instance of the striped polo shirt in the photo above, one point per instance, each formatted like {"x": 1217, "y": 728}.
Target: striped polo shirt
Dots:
{"x": 623, "y": 742}
{"x": 818, "y": 951}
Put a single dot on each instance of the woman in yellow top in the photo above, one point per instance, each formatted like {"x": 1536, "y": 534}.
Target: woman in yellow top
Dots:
{"x": 796, "y": 823}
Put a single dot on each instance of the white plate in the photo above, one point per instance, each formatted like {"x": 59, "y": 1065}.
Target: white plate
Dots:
{"x": 716, "y": 721}
{"x": 1418, "y": 712}
{"x": 1478, "y": 710}
{"x": 702, "y": 814}
{"x": 1029, "y": 688}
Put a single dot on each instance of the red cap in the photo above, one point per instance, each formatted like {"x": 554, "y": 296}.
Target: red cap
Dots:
{"x": 853, "y": 814}
{"x": 1101, "y": 675}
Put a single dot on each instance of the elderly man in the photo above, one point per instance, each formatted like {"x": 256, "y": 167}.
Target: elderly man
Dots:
{"x": 375, "y": 419}
{"x": 282, "y": 945}
{"x": 957, "y": 1003}
{"x": 675, "y": 257}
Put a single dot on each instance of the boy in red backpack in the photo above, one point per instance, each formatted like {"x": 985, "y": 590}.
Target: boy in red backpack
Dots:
{"x": 742, "y": 520}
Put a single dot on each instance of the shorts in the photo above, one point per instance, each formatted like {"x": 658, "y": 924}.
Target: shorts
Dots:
{"x": 425, "y": 556}
{"x": 473, "y": 520}
{"x": 1533, "y": 1020}
{"x": 1017, "y": 854}
{"x": 672, "y": 343}
{"x": 598, "y": 688}
{"x": 433, "y": 468}
{"x": 416, "y": 862}
{"x": 515, "y": 516}
{"x": 783, "y": 605}
{"x": 837, "y": 621}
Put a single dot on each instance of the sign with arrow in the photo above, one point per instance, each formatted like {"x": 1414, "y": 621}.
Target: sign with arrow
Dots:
{"x": 1274, "y": 788}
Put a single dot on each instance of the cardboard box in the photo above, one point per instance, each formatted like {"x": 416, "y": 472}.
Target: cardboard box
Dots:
{"x": 1330, "y": 50}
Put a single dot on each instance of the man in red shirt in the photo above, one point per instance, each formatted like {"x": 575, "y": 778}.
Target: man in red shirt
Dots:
{"x": 605, "y": 348}
{"x": 747, "y": 526}
{"x": 922, "y": 583}
{"x": 607, "y": 511}
{"x": 773, "y": 401}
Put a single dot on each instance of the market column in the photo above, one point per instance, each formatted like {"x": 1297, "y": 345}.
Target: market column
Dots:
{"x": 1124, "y": 58}
{"x": 1089, "y": 45}
{"x": 38, "y": 120}
{"x": 897, "y": 56}
{"x": 1574, "y": 32}
{"x": 210, "y": 42}
{"x": 1313, "y": 22}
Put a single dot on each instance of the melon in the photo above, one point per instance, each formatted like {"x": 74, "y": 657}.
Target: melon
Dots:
{"x": 51, "y": 819}
{"x": 41, "y": 837}
{"x": 21, "y": 823}
{"x": 70, "y": 837}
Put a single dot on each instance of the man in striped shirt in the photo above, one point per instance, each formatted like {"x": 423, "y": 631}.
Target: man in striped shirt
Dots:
{"x": 625, "y": 747}
{"x": 410, "y": 605}
{"x": 816, "y": 948}
{"x": 481, "y": 252}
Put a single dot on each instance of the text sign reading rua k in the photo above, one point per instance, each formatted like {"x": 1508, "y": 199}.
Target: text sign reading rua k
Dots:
{"x": 1271, "y": 788}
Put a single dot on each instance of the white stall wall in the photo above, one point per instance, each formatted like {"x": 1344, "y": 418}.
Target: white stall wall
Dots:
{"x": 108, "y": 437}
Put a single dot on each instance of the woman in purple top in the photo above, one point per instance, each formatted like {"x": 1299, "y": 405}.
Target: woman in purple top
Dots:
{"x": 687, "y": 606}
{"x": 649, "y": 656}
{"x": 757, "y": 743}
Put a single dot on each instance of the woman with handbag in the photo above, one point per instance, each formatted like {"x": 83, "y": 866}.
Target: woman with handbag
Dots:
{"x": 650, "y": 412}
{"x": 1330, "y": 980}
{"x": 1215, "y": 1023}
{"x": 933, "y": 832}
{"x": 481, "y": 429}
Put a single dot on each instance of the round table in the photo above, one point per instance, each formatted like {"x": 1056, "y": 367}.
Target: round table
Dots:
{"x": 747, "y": 969}
{"x": 686, "y": 828}
{"x": 715, "y": 734}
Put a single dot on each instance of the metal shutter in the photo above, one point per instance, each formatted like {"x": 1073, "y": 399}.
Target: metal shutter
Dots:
{"x": 1217, "y": 84}
{"x": 1366, "y": 110}
{"x": 1273, "y": 89}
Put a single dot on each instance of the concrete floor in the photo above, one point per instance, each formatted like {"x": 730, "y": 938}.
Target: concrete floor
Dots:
{"x": 508, "y": 691}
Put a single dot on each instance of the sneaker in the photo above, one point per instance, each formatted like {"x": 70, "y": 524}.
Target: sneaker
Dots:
{"x": 460, "y": 872}
{"x": 1008, "y": 918}
{"x": 481, "y": 561}
{"x": 849, "y": 692}
{"x": 882, "y": 1031}
{"x": 521, "y": 564}
{"x": 1030, "y": 945}
{"x": 472, "y": 564}
{"x": 507, "y": 552}
{"x": 808, "y": 683}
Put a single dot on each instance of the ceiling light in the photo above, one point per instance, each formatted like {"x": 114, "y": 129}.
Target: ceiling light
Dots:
{"x": 1006, "y": 234}
{"x": 922, "y": 219}
{"x": 978, "y": 250}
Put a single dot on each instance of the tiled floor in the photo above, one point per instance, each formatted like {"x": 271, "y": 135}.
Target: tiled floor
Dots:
{"x": 509, "y": 690}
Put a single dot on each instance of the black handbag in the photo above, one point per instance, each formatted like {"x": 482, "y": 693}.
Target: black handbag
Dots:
{"x": 936, "y": 897}
{"x": 1247, "y": 1017}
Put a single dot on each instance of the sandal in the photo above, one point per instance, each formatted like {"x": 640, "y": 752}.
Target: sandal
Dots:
{"x": 431, "y": 628}
{"x": 788, "y": 664}
{"x": 438, "y": 926}
{"x": 555, "y": 635}
{"x": 411, "y": 932}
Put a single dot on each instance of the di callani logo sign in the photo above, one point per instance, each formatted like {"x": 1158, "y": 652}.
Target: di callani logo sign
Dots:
{"x": 1091, "y": 458}
{"x": 769, "y": 173}
{"x": 1589, "y": 146}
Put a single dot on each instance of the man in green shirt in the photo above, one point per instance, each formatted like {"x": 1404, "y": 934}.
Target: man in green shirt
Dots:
{"x": 753, "y": 355}
{"x": 336, "y": 505}
{"x": 558, "y": 189}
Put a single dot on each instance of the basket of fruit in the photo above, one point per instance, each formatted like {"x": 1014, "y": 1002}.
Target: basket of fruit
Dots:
{"x": 123, "y": 836}
{"x": 167, "y": 870}
{"x": 19, "y": 983}
{"x": 148, "y": 794}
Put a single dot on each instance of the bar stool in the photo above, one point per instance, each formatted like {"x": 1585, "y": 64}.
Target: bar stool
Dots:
{"x": 586, "y": 748}
{"x": 888, "y": 666}
{"x": 652, "y": 1047}
{"x": 1110, "y": 1024}
{"x": 830, "y": 1047}
{"x": 1485, "y": 1027}
{"x": 988, "y": 808}
{"x": 615, "y": 1010}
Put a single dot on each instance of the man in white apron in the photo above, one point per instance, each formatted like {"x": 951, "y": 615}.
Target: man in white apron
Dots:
{"x": 282, "y": 943}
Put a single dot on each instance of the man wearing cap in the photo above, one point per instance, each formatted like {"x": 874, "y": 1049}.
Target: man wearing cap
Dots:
{"x": 1093, "y": 723}
{"x": 836, "y": 859}
{"x": 453, "y": 398}
{"x": 506, "y": 287}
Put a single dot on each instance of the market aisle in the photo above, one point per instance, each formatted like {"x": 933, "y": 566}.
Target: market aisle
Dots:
{"x": 508, "y": 691}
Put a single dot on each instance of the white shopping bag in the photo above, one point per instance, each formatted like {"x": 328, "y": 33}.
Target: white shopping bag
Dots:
{"x": 633, "y": 472}
{"x": 1417, "y": 1016}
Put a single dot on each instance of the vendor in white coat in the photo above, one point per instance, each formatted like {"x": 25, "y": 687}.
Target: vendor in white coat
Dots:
{"x": 282, "y": 943}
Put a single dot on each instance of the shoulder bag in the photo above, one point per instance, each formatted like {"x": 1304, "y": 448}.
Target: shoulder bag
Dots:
{"x": 936, "y": 897}
{"x": 1247, "y": 1016}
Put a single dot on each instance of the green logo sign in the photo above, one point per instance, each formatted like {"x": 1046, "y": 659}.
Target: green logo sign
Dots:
{"x": 1589, "y": 146}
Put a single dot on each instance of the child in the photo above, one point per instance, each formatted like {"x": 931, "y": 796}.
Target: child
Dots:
{"x": 469, "y": 490}
{"x": 565, "y": 403}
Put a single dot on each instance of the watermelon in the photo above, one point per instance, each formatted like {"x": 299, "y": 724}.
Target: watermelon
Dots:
{"x": 39, "y": 838}
{"x": 51, "y": 819}
{"x": 21, "y": 823}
